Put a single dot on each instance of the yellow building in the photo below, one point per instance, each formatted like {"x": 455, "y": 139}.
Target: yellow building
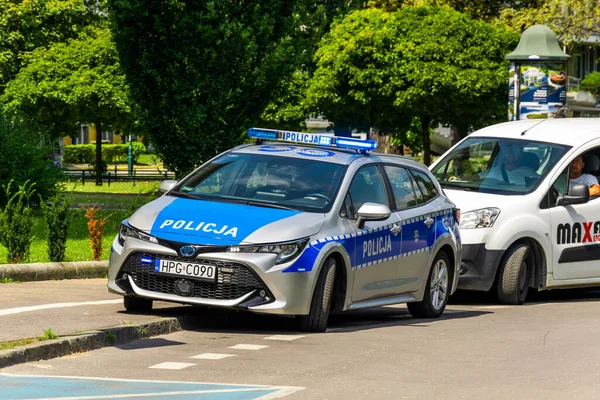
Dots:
{"x": 87, "y": 134}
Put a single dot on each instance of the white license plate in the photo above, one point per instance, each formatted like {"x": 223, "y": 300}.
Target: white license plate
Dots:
{"x": 191, "y": 269}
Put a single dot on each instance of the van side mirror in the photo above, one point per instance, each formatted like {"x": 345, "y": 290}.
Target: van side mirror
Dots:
{"x": 167, "y": 185}
{"x": 579, "y": 194}
{"x": 372, "y": 212}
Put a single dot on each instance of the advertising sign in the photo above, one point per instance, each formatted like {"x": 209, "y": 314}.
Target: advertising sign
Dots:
{"x": 543, "y": 90}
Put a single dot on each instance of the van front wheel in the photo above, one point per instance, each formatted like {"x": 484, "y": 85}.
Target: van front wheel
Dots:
{"x": 514, "y": 275}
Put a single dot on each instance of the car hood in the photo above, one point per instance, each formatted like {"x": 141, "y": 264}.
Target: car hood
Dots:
{"x": 218, "y": 223}
{"x": 468, "y": 201}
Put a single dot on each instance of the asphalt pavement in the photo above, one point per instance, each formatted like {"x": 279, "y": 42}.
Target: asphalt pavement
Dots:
{"x": 547, "y": 348}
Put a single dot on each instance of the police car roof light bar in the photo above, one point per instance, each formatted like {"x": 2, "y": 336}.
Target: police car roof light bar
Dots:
{"x": 312, "y": 138}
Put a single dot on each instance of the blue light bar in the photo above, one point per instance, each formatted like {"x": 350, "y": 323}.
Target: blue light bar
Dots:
{"x": 312, "y": 138}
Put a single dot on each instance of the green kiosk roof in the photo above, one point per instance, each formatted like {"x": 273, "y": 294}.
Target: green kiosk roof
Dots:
{"x": 538, "y": 43}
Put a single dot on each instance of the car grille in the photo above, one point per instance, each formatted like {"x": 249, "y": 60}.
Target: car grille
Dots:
{"x": 233, "y": 279}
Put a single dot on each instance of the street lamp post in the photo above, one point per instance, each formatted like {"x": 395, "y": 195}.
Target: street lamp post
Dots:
{"x": 130, "y": 157}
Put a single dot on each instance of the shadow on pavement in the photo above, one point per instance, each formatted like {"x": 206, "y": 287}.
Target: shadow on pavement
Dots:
{"x": 239, "y": 322}
{"x": 472, "y": 298}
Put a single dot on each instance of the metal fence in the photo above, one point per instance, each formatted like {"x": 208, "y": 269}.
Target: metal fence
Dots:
{"x": 119, "y": 176}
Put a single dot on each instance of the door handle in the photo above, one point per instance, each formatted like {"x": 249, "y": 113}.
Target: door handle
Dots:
{"x": 429, "y": 222}
{"x": 395, "y": 229}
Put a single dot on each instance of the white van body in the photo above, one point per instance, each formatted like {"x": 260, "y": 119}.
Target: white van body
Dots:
{"x": 525, "y": 230}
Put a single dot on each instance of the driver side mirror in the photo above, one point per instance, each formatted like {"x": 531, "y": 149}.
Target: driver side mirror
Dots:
{"x": 372, "y": 212}
{"x": 579, "y": 194}
{"x": 167, "y": 185}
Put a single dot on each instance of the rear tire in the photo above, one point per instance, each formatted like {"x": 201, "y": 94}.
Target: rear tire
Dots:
{"x": 437, "y": 290}
{"x": 136, "y": 304}
{"x": 513, "y": 279}
{"x": 316, "y": 320}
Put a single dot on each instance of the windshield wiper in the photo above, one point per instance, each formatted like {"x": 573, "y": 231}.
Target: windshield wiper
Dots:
{"x": 459, "y": 187}
{"x": 183, "y": 194}
{"x": 269, "y": 205}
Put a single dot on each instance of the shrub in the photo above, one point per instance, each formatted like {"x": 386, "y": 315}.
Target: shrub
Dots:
{"x": 591, "y": 83}
{"x": 58, "y": 217}
{"x": 24, "y": 158}
{"x": 86, "y": 153}
{"x": 96, "y": 228}
{"x": 16, "y": 222}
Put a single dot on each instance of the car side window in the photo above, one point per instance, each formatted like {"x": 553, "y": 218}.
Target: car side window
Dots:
{"x": 402, "y": 187}
{"x": 367, "y": 187}
{"x": 426, "y": 186}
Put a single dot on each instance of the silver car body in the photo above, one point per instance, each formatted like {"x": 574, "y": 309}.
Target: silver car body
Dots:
{"x": 379, "y": 267}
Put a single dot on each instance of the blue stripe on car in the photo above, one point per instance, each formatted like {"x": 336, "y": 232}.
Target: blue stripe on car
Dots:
{"x": 387, "y": 246}
{"x": 213, "y": 223}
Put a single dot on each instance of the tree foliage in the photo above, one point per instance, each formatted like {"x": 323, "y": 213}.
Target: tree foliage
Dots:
{"x": 382, "y": 69}
{"x": 27, "y": 25}
{"x": 71, "y": 83}
{"x": 203, "y": 72}
{"x": 571, "y": 20}
{"x": 484, "y": 10}
{"x": 24, "y": 158}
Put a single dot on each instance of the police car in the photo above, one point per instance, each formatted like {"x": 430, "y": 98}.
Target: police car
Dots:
{"x": 303, "y": 225}
{"x": 525, "y": 223}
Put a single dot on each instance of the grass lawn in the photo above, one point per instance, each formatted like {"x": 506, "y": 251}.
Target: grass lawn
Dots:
{"x": 122, "y": 194}
{"x": 78, "y": 245}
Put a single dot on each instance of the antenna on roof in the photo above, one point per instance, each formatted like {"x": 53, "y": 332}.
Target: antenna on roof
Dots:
{"x": 531, "y": 127}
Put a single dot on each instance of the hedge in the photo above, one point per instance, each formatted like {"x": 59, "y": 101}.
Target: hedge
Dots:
{"x": 86, "y": 153}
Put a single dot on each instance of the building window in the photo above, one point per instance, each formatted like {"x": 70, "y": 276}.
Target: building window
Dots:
{"x": 109, "y": 136}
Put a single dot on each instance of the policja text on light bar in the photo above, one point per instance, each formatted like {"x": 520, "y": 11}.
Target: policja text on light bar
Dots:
{"x": 311, "y": 138}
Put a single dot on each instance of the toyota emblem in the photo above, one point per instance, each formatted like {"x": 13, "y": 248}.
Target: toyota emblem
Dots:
{"x": 187, "y": 251}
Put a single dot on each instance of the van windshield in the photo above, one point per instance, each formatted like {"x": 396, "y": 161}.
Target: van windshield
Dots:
{"x": 498, "y": 165}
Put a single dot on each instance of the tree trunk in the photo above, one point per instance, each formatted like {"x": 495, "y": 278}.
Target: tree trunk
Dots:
{"x": 457, "y": 134}
{"x": 383, "y": 143}
{"x": 425, "y": 122}
{"x": 98, "y": 168}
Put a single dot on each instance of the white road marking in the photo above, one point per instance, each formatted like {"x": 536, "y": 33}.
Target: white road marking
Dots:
{"x": 212, "y": 356}
{"x": 287, "y": 338}
{"x": 236, "y": 387}
{"x": 248, "y": 347}
{"x": 172, "y": 365}
{"x": 178, "y": 393}
{"x": 19, "y": 310}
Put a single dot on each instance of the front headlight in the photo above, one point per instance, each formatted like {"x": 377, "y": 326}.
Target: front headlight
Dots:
{"x": 483, "y": 218}
{"x": 128, "y": 231}
{"x": 285, "y": 251}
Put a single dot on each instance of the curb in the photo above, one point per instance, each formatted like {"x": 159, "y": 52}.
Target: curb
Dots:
{"x": 87, "y": 341}
{"x": 54, "y": 271}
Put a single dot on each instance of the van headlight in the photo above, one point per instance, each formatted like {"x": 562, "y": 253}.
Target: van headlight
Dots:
{"x": 285, "y": 251}
{"x": 128, "y": 231}
{"x": 483, "y": 218}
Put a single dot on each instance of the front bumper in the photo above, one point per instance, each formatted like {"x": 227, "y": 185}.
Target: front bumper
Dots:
{"x": 248, "y": 281}
{"x": 478, "y": 267}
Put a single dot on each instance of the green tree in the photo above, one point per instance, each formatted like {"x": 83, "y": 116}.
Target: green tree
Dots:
{"x": 485, "y": 10}
{"x": 71, "y": 83}
{"x": 571, "y": 20}
{"x": 24, "y": 158}
{"x": 383, "y": 69}
{"x": 27, "y": 25}
{"x": 203, "y": 72}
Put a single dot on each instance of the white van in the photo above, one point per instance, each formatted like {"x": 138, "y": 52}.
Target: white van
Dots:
{"x": 521, "y": 227}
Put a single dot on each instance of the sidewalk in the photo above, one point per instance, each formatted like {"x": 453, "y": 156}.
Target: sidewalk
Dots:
{"x": 79, "y": 311}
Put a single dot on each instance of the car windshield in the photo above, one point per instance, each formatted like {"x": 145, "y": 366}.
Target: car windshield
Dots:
{"x": 266, "y": 180}
{"x": 497, "y": 165}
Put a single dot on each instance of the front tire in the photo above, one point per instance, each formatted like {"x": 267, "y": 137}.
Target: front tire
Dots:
{"x": 316, "y": 320}
{"x": 513, "y": 279}
{"x": 437, "y": 290}
{"x": 136, "y": 304}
